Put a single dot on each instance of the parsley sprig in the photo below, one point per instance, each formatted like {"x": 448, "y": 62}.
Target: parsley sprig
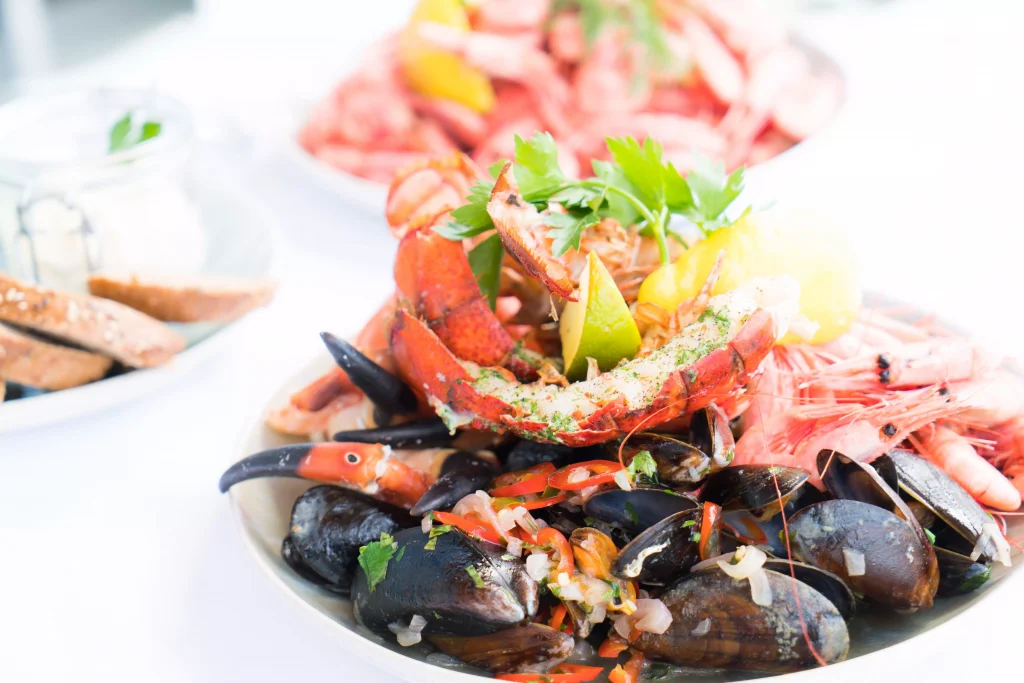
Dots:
{"x": 638, "y": 186}
{"x": 374, "y": 558}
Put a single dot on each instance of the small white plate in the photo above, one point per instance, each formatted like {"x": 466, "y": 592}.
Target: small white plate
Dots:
{"x": 240, "y": 241}
{"x": 887, "y": 645}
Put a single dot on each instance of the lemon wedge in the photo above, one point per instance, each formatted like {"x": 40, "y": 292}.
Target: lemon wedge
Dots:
{"x": 598, "y": 325}
{"x": 799, "y": 243}
{"x": 436, "y": 73}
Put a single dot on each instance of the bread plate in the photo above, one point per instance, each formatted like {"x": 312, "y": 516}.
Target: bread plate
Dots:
{"x": 240, "y": 242}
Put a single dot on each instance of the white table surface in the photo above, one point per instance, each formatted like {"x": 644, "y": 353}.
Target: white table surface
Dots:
{"x": 121, "y": 561}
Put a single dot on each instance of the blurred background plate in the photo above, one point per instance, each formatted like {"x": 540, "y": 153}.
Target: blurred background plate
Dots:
{"x": 240, "y": 241}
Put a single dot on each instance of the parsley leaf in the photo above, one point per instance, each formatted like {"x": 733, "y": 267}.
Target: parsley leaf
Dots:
{"x": 485, "y": 260}
{"x": 536, "y": 169}
{"x": 475, "y": 575}
{"x": 567, "y": 229}
{"x": 470, "y": 219}
{"x": 125, "y": 134}
{"x": 374, "y": 558}
{"x": 713, "y": 191}
{"x": 643, "y": 465}
{"x": 642, "y": 166}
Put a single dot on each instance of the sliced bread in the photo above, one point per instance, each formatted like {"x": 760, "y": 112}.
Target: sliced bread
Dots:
{"x": 186, "y": 300}
{"x": 96, "y": 324}
{"x": 33, "y": 362}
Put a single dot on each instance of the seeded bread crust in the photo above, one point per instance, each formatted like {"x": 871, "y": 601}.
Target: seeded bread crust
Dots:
{"x": 36, "y": 363}
{"x": 198, "y": 299}
{"x": 106, "y": 327}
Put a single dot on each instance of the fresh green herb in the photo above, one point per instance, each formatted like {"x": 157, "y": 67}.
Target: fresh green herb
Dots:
{"x": 930, "y": 535}
{"x": 643, "y": 465}
{"x": 436, "y": 615}
{"x": 695, "y": 537}
{"x": 485, "y": 260}
{"x": 589, "y": 521}
{"x": 374, "y": 558}
{"x": 612, "y": 593}
{"x": 631, "y": 514}
{"x": 688, "y": 523}
{"x": 975, "y": 580}
{"x": 434, "y": 533}
{"x": 475, "y": 575}
{"x": 636, "y": 187}
{"x": 400, "y": 555}
{"x": 126, "y": 133}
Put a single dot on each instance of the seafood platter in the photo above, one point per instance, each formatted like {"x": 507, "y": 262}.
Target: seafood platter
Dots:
{"x": 723, "y": 78}
{"x": 624, "y": 428}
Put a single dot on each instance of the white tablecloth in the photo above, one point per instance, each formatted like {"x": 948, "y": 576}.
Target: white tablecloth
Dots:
{"x": 120, "y": 560}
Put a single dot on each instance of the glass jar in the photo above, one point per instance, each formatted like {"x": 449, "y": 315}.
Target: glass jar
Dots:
{"x": 69, "y": 206}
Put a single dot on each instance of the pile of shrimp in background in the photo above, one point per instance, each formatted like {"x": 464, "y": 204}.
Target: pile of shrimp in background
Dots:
{"x": 720, "y": 78}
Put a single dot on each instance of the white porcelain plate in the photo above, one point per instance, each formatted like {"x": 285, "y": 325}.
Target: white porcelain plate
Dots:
{"x": 240, "y": 242}
{"x": 909, "y": 647}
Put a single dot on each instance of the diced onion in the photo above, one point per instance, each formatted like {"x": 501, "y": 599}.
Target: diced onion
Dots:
{"x": 563, "y": 579}
{"x": 652, "y": 616}
{"x": 992, "y": 543}
{"x": 570, "y": 592}
{"x": 621, "y": 622}
{"x": 479, "y": 504}
{"x": 409, "y": 635}
{"x": 577, "y": 475}
{"x": 711, "y": 562}
{"x": 622, "y": 480}
{"x": 594, "y": 590}
{"x": 854, "y": 560}
{"x": 426, "y": 524}
{"x": 507, "y": 519}
{"x": 751, "y": 559}
{"x": 703, "y": 628}
{"x": 760, "y": 588}
{"x": 515, "y": 547}
{"x": 537, "y": 566}
{"x": 597, "y": 614}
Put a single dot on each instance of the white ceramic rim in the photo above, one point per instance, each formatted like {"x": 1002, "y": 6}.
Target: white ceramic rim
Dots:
{"x": 950, "y": 638}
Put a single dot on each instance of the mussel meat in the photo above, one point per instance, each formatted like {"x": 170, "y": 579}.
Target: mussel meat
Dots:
{"x": 716, "y": 624}
{"x": 533, "y": 648}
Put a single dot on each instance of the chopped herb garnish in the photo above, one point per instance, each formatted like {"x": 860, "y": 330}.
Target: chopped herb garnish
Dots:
{"x": 374, "y": 558}
{"x": 930, "y": 535}
{"x": 475, "y": 575}
{"x": 401, "y": 553}
{"x": 643, "y": 465}
{"x": 436, "y": 615}
{"x": 485, "y": 260}
{"x": 126, "y": 133}
{"x": 695, "y": 538}
{"x": 688, "y": 523}
{"x": 434, "y": 533}
{"x": 589, "y": 521}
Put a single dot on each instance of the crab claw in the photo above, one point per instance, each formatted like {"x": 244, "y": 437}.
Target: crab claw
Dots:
{"x": 370, "y": 468}
{"x": 350, "y": 464}
{"x": 430, "y": 432}
{"x": 389, "y": 394}
{"x": 462, "y": 474}
{"x": 517, "y": 222}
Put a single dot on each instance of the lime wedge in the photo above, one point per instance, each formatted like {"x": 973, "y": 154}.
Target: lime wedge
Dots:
{"x": 599, "y": 325}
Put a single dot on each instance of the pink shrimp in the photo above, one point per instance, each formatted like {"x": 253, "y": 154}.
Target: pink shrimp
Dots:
{"x": 510, "y": 16}
{"x": 606, "y": 81}
{"x": 955, "y": 454}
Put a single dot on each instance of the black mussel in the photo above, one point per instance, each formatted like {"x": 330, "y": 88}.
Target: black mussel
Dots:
{"x": 876, "y": 553}
{"x": 294, "y": 560}
{"x": 851, "y": 479}
{"x": 564, "y": 518}
{"x": 959, "y": 574}
{"x": 533, "y": 648}
{"x": 929, "y": 485}
{"x": 461, "y": 587}
{"x": 329, "y": 525}
{"x": 717, "y": 624}
{"x": 671, "y": 547}
{"x": 636, "y": 510}
{"x": 683, "y": 461}
{"x": 461, "y": 474}
{"x": 429, "y": 432}
{"x": 389, "y": 394}
{"x": 825, "y": 582}
{"x": 761, "y": 489}
{"x": 526, "y": 454}
{"x": 743, "y": 527}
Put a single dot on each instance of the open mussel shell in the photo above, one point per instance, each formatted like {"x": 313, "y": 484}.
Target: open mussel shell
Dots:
{"x": 429, "y": 432}
{"x": 930, "y": 486}
{"x": 760, "y": 489}
{"x": 851, "y": 479}
{"x": 825, "y": 582}
{"x": 716, "y": 624}
{"x": 877, "y": 554}
{"x": 533, "y": 648}
{"x": 958, "y": 574}
{"x": 527, "y": 453}
{"x": 636, "y": 510}
{"x": 328, "y": 526}
{"x": 668, "y": 549}
{"x": 462, "y": 587}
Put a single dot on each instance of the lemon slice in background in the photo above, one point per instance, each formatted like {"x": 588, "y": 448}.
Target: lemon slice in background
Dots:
{"x": 804, "y": 244}
{"x": 436, "y": 73}
{"x": 598, "y": 325}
